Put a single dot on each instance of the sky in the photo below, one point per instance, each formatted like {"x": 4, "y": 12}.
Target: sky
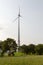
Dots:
{"x": 31, "y": 22}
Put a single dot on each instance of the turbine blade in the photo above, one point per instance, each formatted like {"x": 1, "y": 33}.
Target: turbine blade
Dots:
{"x": 15, "y": 19}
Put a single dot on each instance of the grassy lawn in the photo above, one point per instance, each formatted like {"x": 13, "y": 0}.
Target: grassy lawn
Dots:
{"x": 25, "y": 60}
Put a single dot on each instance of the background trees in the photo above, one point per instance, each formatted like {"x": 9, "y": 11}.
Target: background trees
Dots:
{"x": 32, "y": 49}
{"x": 39, "y": 49}
{"x": 9, "y": 46}
{"x": 24, "y": 49}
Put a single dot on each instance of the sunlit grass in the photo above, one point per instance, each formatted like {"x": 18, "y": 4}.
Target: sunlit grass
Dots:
{"x": 25, "y": 60}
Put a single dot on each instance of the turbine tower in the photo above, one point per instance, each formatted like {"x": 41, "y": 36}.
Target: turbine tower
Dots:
{"x": 18, "y": 30}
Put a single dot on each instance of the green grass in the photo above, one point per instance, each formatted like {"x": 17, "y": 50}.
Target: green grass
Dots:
{"x": 25, "y": 60}
{"x": 18, "y": 54}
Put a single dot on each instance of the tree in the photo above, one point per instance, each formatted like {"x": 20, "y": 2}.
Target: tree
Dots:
{"x": 24, "y": 49}
{"x": 4, "y": 46}
{"x": 1, "y": 50}
{"x": 31, "y": 48}
{"x": 12, "y": 43}
{"x": 1, "y": 42}
{"x": 12, "y": 46}
{"x": 8, "y": 45}
{"x": 39, "y": 49}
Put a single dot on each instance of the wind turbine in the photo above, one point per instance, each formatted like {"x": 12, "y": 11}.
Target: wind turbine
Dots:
{"x": 18, "y": 29}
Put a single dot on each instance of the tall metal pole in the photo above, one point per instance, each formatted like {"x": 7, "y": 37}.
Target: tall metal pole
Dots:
{"x": 19, "y": 30}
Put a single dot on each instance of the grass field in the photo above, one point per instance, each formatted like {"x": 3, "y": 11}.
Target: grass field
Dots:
{"x": 25, "y": 60}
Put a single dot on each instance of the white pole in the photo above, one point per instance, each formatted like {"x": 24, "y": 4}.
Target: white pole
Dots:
{"x": 19, "y": 30}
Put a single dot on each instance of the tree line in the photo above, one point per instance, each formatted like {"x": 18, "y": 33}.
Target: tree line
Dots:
{"x": 9, "y": 46}
{"x": 32, "y": 49}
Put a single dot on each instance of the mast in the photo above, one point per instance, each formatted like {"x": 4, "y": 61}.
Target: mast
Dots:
{"x": 19, "y": 29}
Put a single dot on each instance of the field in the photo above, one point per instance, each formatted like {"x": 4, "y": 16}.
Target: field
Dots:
{"x": 23, "y": 60}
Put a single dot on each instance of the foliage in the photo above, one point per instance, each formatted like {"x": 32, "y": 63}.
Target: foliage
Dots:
{"x": 8, "y": 45}
{"x": 32, "y": 49}
{"x": 24, "y": 49}
{"x": 39, "y": 49}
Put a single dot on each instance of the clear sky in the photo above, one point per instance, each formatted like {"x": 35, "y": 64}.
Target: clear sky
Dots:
{"x": 31, "y": 22}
